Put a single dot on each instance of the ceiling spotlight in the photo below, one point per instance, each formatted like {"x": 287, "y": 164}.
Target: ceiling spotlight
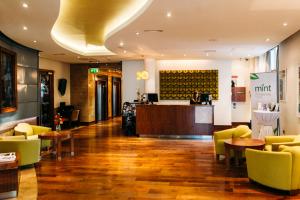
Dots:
{"x": 268, "y": 40}
{"x": 137, "y": 33}
{"x": 25, "y": 5}
{"x": 184, "y": 55}
{"x": 207, "y": 54}
{"x": 34, "y": 41}
{"x": 78, "y": 57}
{"x": 124, "y": 51}
{"x": 169, "y": 14}
{"x": 121, "y": 44}
{"x": 249, "y": 55}
{"x": 285, "y": 24}
{"x": 162, "y": 55}
{"x": 25, "y": 28}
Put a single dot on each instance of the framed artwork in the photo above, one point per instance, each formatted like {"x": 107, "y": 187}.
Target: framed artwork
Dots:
{"x": 8, "y": 85}
{"x": 282, "y": 84}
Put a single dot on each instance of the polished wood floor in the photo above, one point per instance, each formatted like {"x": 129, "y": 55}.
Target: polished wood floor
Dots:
{"x": 109, "y": 165}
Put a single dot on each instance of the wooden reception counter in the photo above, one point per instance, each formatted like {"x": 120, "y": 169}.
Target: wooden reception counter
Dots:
{"x": 174, "y": 120}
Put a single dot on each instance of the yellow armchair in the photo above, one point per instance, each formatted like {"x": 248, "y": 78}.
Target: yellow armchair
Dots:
{"x": 279, "y": 170}
{"x": 273, "y": 142}
{"x": 241, "y": 131}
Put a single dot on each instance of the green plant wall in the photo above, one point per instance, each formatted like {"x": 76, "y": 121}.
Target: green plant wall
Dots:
{"x": 180, "y": 84}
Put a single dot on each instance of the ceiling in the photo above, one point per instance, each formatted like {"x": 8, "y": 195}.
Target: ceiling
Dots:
{"x": 195, "y": 29}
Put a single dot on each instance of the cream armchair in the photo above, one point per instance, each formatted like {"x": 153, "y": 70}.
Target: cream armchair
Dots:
{"x": 241, "y": 131}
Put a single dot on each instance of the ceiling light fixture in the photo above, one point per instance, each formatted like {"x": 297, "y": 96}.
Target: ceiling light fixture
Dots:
{"x": 162, "y": 55}
{"x": 25, "y": 28}
{"x": 268, "y": 40}
{"x": 207, "y": 54}
{"x": 124, "y": 51}
{"x": 285, "y": 24}
{"x": 25, "y": 5}
{"x": 34, "y": 41}
{"x": 121, "y": 44}
{"x": 169, "y": 14}
{"x": 184, "y": 55}
{"x": 137, "y": 33}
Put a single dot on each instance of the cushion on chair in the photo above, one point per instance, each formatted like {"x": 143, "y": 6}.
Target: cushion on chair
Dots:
{"x": 23, "y": 129}
{"x": 18, "y": 137}
{"x": 32, "y": 137}
{"x": 297, "y": 138}
{"x": 240, "y": 130}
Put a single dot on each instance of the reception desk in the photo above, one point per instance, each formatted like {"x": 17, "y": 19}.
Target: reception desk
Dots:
{"x": 174, "y": 120}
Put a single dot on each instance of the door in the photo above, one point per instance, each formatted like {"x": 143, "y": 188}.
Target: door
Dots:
{"x": 116, "y": 97}
{"x": 46, "y": 84}
{"x": 101, "y": 100}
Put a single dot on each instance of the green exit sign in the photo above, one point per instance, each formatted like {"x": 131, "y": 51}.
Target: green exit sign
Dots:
{"x": 94, "y": 70}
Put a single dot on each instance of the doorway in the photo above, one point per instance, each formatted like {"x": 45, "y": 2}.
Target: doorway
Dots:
{"x": 46, "y": 84}
{"x": 101, "y": 98}
{"x": 116, "y": 97}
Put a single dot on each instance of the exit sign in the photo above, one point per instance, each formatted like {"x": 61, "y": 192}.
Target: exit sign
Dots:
{"x": 94, "y": 70}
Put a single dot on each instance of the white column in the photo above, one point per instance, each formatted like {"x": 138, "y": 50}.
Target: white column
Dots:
{"x": 150, "y": 67}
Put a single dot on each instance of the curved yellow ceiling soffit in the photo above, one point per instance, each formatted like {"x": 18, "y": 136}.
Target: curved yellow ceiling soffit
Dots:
{"x": 83, "y": 26}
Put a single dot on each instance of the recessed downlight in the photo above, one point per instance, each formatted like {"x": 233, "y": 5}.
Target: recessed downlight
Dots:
{"x": 284, "y": 24}
{"x": 25, "y": 28}
{"x": 184, "y": 55}
{"x": 268, "y": 40}
{"x": 34, "y": 41}
{"x": 169, "y": 14}
{"x": 137, "y": 33}
{"x": 25, "y": 5}
{"x": 207, "y": 54}
{"x": 121, "y": 44}
{"x": 124, "y": 51}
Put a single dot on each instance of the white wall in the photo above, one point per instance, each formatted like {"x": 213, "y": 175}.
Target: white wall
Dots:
{"x": 242, "y": 111}
{"x": 289, "y": 58}
{"x": 129, "y": 82}
{"x": 61, "y": 70}
{"x": 223, "y": 105}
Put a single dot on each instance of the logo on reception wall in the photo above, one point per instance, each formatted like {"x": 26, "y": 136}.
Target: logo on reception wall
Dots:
{"x": 263, "y": 92}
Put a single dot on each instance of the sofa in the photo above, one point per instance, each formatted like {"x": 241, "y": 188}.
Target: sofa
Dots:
{"x": 241, "y": 131}
{"x": 273, "y": 142}
{"x": 279, "y": 170}
{"x": 24, "y": 139}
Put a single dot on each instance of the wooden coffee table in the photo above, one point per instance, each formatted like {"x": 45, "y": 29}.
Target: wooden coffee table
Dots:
{"x": 58, "y": 137}
{"x": 239, "y": 145}
{"x": 9, "y": 176}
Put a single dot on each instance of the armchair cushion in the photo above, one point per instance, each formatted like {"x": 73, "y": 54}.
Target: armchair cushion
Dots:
{"x": 240, "y": 130}
{"x": 23, "y": 129}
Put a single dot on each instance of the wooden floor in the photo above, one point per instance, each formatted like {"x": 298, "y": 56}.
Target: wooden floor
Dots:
{"x": 109, "y": 165}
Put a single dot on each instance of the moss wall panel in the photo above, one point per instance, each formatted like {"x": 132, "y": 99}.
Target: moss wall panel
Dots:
{"x": 180, "y": 84}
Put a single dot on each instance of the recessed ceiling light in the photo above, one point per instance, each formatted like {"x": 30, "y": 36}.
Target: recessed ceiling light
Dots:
{"x": 162, "y": 55}
{"x": 124, "y": 51}
{"x": 137, "y": 33}
{"x": 268, "y": 40}
{"x": 169, "y": 14}
{"x": 25, "y": 5}
{"x": 207, "y": 54}
{"x": 34, "y": 41}
{"x": 78, "y": 57}
{"x": 184, "y": 55}
{"x": 25, "y": 28}
{"x": 121, "y": 44}
{"x": 249, "y": 55}
{"x": 285, "y": 24}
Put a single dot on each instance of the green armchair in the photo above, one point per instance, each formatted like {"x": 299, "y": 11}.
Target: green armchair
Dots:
{"x": 241, "y": 131}
{"x": 28, "y": 150}
{"x": 279, "y": 170}
{"x": 273, "y": 142}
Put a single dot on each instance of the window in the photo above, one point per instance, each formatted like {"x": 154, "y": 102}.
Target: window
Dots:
{"x": 273, "y": 59}
{"x": 8, "y": 101}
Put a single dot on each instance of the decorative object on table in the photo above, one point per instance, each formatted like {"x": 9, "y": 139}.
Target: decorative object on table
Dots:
{"x": 180, "y": 84}
{"x": 7, "y": 157}
{"x": 58, "y": 121}
{"x": 266, "y": 119}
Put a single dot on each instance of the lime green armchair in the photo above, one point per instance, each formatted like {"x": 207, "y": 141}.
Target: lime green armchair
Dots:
{"x": 273, "y": 142}
{"x": 31, "y": 130}
{"x": 279, "y": 170}
{"x": 241, "y": 131}
{"x": 28, "y": 150}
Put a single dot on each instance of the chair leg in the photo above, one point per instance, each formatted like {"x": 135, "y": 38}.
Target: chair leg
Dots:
{"x": 217, "y": 157}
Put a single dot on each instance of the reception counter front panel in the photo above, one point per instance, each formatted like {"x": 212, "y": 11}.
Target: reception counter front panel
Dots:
{"x": 174, "y": 120}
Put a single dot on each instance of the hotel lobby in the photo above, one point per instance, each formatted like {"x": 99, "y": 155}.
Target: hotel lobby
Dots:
{"x": 149, "y": 99}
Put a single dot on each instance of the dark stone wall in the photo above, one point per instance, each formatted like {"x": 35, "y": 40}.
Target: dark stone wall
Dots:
{"x": 27, "y": 81}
